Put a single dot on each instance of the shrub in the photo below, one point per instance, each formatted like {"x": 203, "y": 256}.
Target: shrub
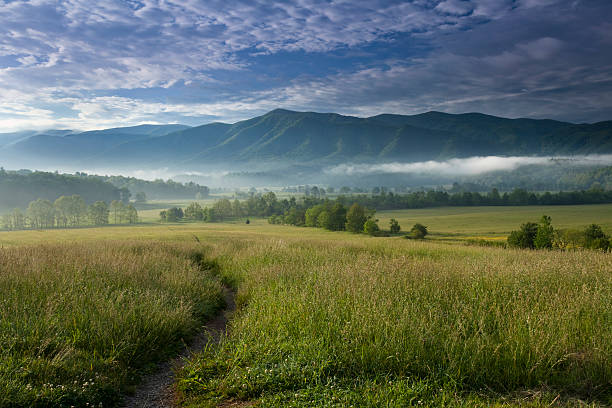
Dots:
{"x": 371, "y": 227}
{"x": 544, "y": 234}
{"x": 418, "y": 231}
{"x": 524, "y": 238}
{"x": 595, "y": 238}
{"x": 394, "y": 226}
{"x": 355, "y": 218}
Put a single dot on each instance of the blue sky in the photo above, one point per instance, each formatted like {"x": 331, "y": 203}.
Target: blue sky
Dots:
{"x": 82, "y": 65}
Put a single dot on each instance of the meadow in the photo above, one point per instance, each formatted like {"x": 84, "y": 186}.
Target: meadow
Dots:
{"x": 323, "y": 319}
{"x": 79, "y": 323}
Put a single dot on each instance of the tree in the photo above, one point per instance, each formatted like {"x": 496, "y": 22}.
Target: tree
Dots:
{"x": 222, "y": 208}
{"x": 355, "y": 218}
{"x": 117, "y": 208}
{"x": 370, "y": 227}
{"x": 312, "y": 214}
{"x": 418, "y": 231}
{"x": 237, "y": 208}
{"x": 41, "y": 214}
{"x": 194, "y": 212}
{"x": 323, "y": 220}
{"x": 141, "y": 197}
{"x": 78, "y": 210}
{"x": 173, "y": 214}
{"x": 595, "y": 238}
{"x": 131, "y": 214}
{"x": 394, "y": 226}
{"x": 98, "y": 213}
{"x": 125, "y": 195}
{"x": 524, "y": 238}
{"x": 544, "y": 234}
{"x": 63, "y": 209}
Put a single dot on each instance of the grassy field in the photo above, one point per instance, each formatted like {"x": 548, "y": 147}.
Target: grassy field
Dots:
{"x": 79, "y": 322}
{"x": 324, "y": 318}
{"x": 496, "y": 222}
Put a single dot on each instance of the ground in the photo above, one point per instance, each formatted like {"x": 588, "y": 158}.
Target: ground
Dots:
{"x": 338, "y": 319}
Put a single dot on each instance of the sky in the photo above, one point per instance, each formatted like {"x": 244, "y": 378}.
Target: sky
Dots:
{"x": 79, "y": 64}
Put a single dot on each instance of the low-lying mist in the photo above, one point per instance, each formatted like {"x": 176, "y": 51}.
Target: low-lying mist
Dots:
{"x": 469, "y": 166}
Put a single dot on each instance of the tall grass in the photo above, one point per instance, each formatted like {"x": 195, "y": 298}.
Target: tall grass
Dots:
{"x": 79, "y": 322}
{"x": 396, "y": 323}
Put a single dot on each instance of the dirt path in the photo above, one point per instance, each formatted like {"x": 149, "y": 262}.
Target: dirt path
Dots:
{"x": 156, "y": 390}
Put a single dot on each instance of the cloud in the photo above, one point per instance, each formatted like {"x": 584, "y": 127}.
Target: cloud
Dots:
{"x": 85, "y": 64}
{"x": 463, "y": 167}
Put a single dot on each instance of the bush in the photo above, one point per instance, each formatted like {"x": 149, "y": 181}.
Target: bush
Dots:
{"x": 595, "y": 238}
{"x": 544, "y": 234}
{"x": 394, "y": 226}
{"x": 371, "y": 227}
{"x": 418, "y": 231}
{"x": 524, "y": 238}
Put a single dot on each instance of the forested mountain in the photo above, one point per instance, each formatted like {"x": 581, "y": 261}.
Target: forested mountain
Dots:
{"x": 307, "y": 137}
{"x": 17, "y": 189}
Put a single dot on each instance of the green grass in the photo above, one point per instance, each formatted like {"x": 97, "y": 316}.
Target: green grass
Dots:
{"x": 79, "y": 322}
{"x": 324, "y": 318}
{"x": 391, "y": 322}
{"x": 496, "y": 222}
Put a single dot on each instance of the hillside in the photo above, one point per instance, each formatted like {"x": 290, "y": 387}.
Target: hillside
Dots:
{"x": 326, "y": 138}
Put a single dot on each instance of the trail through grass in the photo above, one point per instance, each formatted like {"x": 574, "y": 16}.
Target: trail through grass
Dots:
{"x": 79, "y": 322}
{"x": 396, "y": 323}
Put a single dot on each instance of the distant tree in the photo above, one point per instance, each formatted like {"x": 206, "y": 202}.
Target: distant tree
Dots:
{"x": 125, "y": 195}
{"x": 418, "y": 231}
{"x": 312, "y": 214}
{"x": 237, "y": 208}
{"x": 194, "y": 212}
{"x": 141, "y": 197}
{"x": 595, "y": 238}
{"x": 370, "y": 227}
{"x": 323, "y": 220}
{"x": 98, "y": 213}
{"x": 394, "y": 226}
{"x": 63, "y": 208}
{"x": 524, "y": 238}
{"x": 131, "y": 214}
{"x": 544, "y": 234}
{"x": 117, "y": 209}
{"x": 78, "y": 210}
{"x": 18, "y": 219}
{"x": 345, "y": 190}
{"x": 355, "y": 218}
{"x": 41, "y": 214}
{"x": 330, "y": 190}
{"x": 337, "y": 218}
{"x": 174, "y": 214}
{"x": 222, "y": 209}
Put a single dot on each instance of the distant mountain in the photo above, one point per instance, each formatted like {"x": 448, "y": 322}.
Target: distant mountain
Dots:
{"x": 321, "y": 138}
{"x": 83, "y": 146}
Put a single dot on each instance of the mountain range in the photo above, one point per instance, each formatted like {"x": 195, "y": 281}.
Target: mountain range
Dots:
{"x": 307, "y": 138}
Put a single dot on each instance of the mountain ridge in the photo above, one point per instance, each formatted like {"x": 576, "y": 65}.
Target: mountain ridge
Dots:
{"x": 326, "y": 138}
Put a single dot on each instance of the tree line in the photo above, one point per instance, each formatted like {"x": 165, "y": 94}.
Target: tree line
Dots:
{"x": 432, "y": 198}
{"x": 293, "y": 211}
{"x": 543, "y": 235}
{"x": 156, "y": 189}
{"x": 69, "y": 211}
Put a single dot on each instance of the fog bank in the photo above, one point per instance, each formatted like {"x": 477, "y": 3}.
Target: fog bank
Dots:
{"x": 470, "y": 166}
